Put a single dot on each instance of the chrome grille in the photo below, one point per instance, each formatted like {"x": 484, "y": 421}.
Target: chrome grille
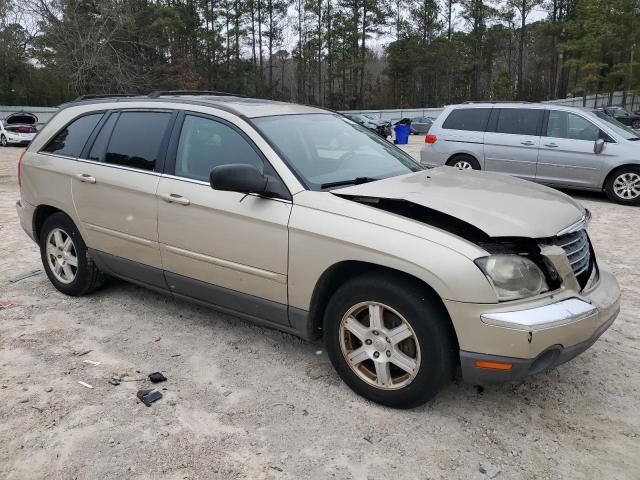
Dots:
{"x": 576, "y": 246}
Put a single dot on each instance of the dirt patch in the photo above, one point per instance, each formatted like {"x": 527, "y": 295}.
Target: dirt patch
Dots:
{"x": 244, "y": 402}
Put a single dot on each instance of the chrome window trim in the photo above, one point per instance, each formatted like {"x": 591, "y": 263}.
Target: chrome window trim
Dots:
{"x": 103, "y": 164}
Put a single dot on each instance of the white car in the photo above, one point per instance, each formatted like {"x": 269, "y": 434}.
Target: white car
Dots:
{"x": 18, "y": 129}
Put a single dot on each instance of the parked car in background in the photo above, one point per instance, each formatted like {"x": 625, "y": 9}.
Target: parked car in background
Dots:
{"x": 421, "y": 125}
{"x": 297, "y": 218}
{"x": 378, "y": 126}
{"x": 555, "y": 145}
{"x": 624, "y": 116}
{"x": 18, "y": 129}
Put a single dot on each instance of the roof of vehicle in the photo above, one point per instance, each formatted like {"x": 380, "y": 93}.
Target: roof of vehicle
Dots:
{"x": 242, "y": 106}
{"x": 536, "y": 105}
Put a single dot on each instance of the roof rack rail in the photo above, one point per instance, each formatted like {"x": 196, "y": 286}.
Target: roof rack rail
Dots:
{"x": 159, "y": 93}
{"x": 105, "y": 95}
{"x": 495, "y": 101}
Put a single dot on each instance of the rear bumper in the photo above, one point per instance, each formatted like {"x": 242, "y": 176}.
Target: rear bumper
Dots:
{"x": 25, "y": 213}
{"x": 532, "y": 336}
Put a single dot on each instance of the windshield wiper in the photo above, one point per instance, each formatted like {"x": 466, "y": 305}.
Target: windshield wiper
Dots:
{"x": 353, "y": 181}
{"x": 633, "y": 139}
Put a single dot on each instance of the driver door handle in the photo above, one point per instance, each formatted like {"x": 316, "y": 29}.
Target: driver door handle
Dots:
{"x": 551, "y": 145}
{"x": 527, "y": 143}
{"x": 85, "y": 177}
{"x": 174, "y": 198}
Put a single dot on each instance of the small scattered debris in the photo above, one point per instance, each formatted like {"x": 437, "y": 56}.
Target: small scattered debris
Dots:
{"x": 367, "y": 439}
{"x": 91, "y": 362}
{"x": 176, "y": 355}
{"x": 7, "y": 304}
{"x": 148, "y": 396}
{"x": 157, "y": 377}
{"x": 83, "y": 352}
{"x": 115, "y": 380}
{"x": 24, "y": 400}
{"x": 48, "y": 389}
{"x": 84, "y": 384}
{"x": 33, "y": 273}
{"x": 278, "y": 469}
{"x": 304, "y": 413}
{"x": 36, "y": 408}
{"x": 227, "y": 393}
{"x": 157, "y": 339}
{"x": 318, "y": 352}
{"x": 489, "y": 470}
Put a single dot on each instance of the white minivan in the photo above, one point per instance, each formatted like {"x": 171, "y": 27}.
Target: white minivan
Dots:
{"x": 551, "y": 144}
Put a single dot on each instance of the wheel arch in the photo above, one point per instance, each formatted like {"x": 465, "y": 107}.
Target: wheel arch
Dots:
{"x": 339, "y": 273}
{"x": 616, "y": 169}
{"x": 452, "y": 158}
{"x": 40, "y": 215}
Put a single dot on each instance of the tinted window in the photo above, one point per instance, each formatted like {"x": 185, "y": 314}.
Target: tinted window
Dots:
{"x": 569, "y": 125}
{"x": 520, "y": 121}
{"x": 72, "y": 138}
{"x": 205, "y": 144}
{"x": 474, "y": 119}
{"x": 100, "y": 143}
{"x": 136, "y": 138}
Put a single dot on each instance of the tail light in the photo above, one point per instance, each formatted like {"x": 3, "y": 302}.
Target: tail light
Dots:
{"x": 430, "y": 139}
{"x": 20, "y": 168}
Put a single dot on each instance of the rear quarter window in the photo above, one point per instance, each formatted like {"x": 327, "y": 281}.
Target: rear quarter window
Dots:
{"x": 72, "y": 138}
{"x": 472, "y": 119}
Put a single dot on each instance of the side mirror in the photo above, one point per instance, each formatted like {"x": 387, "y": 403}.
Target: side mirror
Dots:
{"x": 238, "y": 177}
{"x": 598, "y": 146}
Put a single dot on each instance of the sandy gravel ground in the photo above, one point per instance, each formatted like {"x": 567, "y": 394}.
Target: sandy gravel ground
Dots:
{"x": 243, "y": 402}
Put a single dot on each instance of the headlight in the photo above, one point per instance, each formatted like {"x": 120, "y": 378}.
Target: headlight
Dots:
{"x": 513, "y": 276}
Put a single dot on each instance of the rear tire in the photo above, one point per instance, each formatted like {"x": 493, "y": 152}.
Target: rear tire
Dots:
{"x": 635, "y": 124}
{"x": 464, "y": 162}
{"x": 66, "y": 259}
{"x": 623, "y": 186}
{"x": 401, "y": 360}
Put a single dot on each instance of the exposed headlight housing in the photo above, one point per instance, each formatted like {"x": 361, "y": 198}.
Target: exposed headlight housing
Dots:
{"x": 512, "y": 276}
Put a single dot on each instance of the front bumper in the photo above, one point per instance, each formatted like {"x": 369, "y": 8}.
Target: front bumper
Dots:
{"x": 532, "y": 336}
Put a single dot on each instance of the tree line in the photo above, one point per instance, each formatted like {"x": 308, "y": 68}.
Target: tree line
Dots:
{"x": 342, "y": 54}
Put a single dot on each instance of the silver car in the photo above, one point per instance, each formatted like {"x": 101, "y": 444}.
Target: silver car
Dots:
{"x": 560, "y": 146}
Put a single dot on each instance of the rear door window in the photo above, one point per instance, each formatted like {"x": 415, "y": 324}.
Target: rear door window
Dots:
{"x": 519, "y": 121}
{"x": 473, "y": 119}
{"x": 70, "y": 141}
{"x": 137, "y": 138}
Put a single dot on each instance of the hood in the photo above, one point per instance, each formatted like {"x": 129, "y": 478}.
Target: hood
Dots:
{"x": 500, "y": 206}
{"x": 21, "y": 118}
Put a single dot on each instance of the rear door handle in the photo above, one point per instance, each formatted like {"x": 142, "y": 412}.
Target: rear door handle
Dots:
{"x": 550, "y": 145}
{"x": 528, "y": 143}
{"x": 85, "y": 177}
{"x": 174, "y": 198}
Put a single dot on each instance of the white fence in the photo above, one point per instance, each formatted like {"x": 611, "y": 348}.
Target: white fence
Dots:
{"x": 630, "y": 100}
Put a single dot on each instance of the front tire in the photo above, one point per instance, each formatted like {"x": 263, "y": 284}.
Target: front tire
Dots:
{"x": 3, "y": 141}
{"x": 390, "y": 340}
{"x": 635, "y": 124}
{"x": 65, "y": 257}
{"x": 623, "y": 186}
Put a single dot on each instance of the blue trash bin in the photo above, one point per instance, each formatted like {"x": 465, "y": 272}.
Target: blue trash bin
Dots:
{"x": 402, "y": 134}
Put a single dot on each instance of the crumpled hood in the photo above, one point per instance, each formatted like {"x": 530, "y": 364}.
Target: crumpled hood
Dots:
{"x": 499, "y": 205}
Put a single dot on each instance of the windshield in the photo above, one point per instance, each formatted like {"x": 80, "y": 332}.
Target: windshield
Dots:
{"x": 620, "y": 129}
{"x": 327, "y": 148}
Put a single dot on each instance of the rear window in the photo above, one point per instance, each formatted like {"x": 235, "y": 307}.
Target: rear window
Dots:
{"x": 136, "y": 139}
{"x": 474, "y": 119}
{"x": 71, "y": 139}
{"x": 519, "y": 121}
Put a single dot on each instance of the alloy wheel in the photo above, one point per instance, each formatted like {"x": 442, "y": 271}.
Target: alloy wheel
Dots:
{"x": 627, "y": 186}
{"x": 463, "y": 165}
{"x": 3, "y": 141}
{"x": 379, "y": 345}
{"x": 61, "y": 256}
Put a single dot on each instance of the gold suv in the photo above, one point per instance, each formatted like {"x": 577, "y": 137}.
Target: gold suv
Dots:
{"x": 299, "y": 219}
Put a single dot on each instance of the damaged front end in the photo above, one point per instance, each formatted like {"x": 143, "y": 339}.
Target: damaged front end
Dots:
{"x": 562, "y": 260}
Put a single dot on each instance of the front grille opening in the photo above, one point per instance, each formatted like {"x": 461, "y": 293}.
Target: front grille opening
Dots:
{"x": 577, "y": 246}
